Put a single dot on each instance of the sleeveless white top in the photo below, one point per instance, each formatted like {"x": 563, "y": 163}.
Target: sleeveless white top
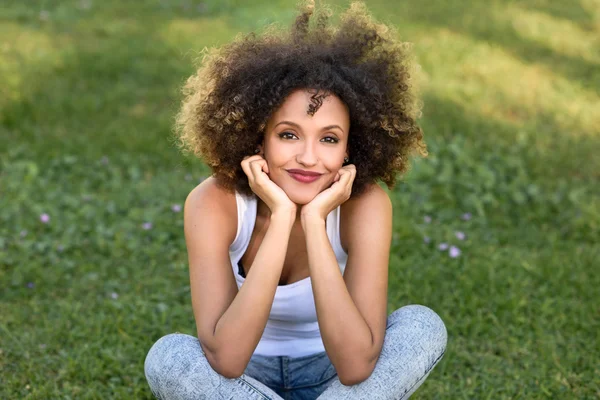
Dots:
{"x": 292, "y": 329}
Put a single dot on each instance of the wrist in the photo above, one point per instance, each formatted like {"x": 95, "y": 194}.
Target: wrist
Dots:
{"x": 283, "y": 216}
{"x": 309, "y": 220}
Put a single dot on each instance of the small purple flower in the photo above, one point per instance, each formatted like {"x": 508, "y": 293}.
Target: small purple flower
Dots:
{"x": 43, "y": 346}
{"x": 427, "y": 239}
{"x": 23, "y": 233}
{"x": 427, "y": 219}
{"x": 60, "y": 248}
{"x": 188, "y": 177}
{"x": 114, "y": 296}
{"x": 45, "y": 218}
{"x": 30, "y": 285}
{"x": 147, "y": 226}
{"x": 466, "y": 216}
{"x": 176, "y": 208}
{"x": 443, "y": 246}
{"x": 454, "y": 251}
{"x": 460, "y": 235}
{"x": 104, "y": 160}
{"x": 201, "y": 8}
{"x": 85, "y": 4}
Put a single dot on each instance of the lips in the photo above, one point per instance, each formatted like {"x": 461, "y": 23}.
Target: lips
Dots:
{"x": 304, "y": 176}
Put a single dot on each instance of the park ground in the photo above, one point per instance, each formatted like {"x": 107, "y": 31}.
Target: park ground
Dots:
{"x": 498, "y": 230}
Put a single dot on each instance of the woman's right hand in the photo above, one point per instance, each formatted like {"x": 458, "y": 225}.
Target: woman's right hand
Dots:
{"x": 256, "y": 168}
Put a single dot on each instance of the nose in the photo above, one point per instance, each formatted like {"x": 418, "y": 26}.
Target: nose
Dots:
{"x": 307, "y": 155}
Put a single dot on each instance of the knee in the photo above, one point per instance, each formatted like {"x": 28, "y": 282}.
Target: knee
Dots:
{"x": 168, "y": 352}
{"x": 430, "y": 326}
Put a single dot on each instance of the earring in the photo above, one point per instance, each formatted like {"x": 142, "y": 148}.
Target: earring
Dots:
{"x": 346, "y": 160}
{"x": 256, "y": 151}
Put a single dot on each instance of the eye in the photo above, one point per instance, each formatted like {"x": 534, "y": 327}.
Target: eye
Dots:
{"x": 330, "y": 139}
{"x": 286, "y": 135}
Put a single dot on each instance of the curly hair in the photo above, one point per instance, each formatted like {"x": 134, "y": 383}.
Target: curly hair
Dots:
{"x": 238, "y": 86}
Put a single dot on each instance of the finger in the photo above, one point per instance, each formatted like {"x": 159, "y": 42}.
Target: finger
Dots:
{"x": 264, "y": 163}
{"x": 248, "y": 159}
{"x": 346, "y": 171}
{"x": 257, "y": 168}
{"x": 346, "y": 181}
{"x": 345, "y": 177}
{"x": 351, "y": 169}
{"x": 246, "y": 168}
{"x": 337, "y": 177}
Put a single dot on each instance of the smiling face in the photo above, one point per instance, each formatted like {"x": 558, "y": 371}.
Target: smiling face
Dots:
{"x": 304, "y": 152}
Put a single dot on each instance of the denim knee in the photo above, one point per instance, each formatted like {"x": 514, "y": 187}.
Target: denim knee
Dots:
{"x": 428, "y": 322}
{"x": 162, "y": 356}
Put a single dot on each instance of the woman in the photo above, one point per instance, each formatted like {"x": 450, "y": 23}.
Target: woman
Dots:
{"x": 289, "y": 240}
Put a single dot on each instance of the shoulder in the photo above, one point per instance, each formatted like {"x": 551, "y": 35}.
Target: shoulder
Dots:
{"x": 372, "y": 202}
{"x": 210, "y": 190}
{"x": 373, "y": 195}
{"x": 209, "y": 203}
{"x": 371, "y": 210}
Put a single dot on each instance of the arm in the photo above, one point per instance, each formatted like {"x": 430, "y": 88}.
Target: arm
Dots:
{"x": 352, "y": 309}
{"x": 229, "y": 323}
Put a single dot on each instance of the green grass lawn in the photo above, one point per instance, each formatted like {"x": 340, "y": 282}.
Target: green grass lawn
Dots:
{"x": 93, "y": 265}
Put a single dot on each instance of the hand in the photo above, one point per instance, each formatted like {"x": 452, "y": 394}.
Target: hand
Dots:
{"x": 256, "y": 168}
{"x": 329, "y": 199}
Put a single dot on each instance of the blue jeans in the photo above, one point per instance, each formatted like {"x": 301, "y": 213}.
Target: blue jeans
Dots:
{"x": 415, "y": 341}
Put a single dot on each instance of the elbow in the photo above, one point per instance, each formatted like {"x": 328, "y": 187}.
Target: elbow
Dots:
{"x": 350, "y": 380}
{"x": 225, "y": 366}
{"x": 356, "y": 376}
{"x": 230, "y": 372}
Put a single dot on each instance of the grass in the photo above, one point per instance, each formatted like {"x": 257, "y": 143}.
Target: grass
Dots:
{"x": 88, "y": 91}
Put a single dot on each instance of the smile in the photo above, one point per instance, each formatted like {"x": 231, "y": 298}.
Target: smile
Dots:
{"x": 303, "y": 178}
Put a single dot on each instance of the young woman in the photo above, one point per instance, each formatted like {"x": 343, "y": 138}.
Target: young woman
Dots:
{"x": 289, "y": 240}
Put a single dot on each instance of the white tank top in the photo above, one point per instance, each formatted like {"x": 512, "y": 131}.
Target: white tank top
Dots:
{"x": 292, "y": 329}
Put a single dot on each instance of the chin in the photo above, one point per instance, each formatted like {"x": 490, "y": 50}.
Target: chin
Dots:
{"x": 302, "y": 195}
{"x": 302, "y": 199}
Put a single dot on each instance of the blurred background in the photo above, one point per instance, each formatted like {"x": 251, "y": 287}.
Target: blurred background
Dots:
{"x": 498, "y": 230}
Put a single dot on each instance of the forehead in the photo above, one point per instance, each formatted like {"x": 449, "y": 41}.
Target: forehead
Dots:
{"x": 332, "y": 112}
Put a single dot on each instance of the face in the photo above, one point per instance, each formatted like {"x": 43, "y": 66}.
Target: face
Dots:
{"x": 304, "y": 152}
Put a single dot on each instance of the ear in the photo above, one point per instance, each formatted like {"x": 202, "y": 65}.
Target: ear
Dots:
{"x": 261, "y": 148}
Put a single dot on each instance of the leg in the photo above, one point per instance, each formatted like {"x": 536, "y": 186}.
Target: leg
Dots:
{"x": 415, "y": 341}
{"x": 176, "y": 368}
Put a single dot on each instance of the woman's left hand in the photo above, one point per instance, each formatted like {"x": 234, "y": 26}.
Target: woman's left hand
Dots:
{"x": 329, "y": 199}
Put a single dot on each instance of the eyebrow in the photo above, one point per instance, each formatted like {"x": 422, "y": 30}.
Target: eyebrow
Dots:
{"x": 325, "y": 128}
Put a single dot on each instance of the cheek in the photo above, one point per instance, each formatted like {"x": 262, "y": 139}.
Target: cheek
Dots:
{"x": 275, "y": 165}
{"x": 275, "y": 155}
{"x": 335, "y": 165}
